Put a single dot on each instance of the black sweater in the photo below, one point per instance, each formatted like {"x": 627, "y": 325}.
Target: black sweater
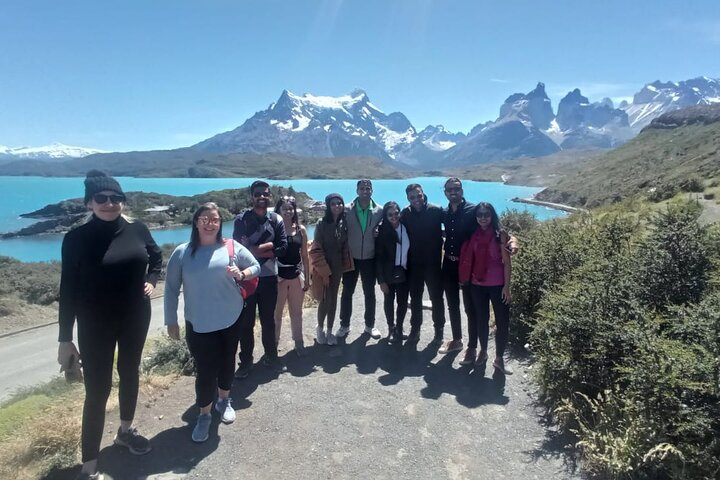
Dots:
{"x": 104, "y": 269}
{"x": 424, "y": 229}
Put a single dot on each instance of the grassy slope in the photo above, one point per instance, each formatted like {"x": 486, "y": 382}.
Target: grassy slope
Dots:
{"x": 654, "y": 158}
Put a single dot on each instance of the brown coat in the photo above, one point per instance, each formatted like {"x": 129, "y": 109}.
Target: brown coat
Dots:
{"x": 329, "y": 255}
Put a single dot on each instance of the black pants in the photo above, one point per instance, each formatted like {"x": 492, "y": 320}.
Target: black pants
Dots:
{"x": 396, "y": 318}
{"x": 451, "y": 285}
{"x": 214, "y": 354}
{"x": 483, "y": 297}
{"x": 97, "y": 337}
{"x": 366, "y": 270}
{"x": 419, "y": 275}
{"x": 264, "y": 299}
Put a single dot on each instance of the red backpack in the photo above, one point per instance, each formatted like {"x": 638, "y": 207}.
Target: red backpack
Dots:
{"x": 247, "y": 287}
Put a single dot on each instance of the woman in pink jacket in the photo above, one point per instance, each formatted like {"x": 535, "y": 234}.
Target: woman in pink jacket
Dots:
{"x": 486, "y": 267}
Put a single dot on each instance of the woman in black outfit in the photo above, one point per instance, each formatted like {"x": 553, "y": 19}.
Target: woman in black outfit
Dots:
{"x": 109, "y": 269}
{"x": 391, "y": 253}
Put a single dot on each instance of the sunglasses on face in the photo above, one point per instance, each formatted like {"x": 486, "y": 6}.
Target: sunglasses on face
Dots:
{"x": 453, "y": 189}
{"x": 483, "y": 215}
{"x": 208, "y": 220}
{"x": 288, "y": 199}
{"x": 265, "y": 194}
{"x": 102, "y": 198}
{"x": 336, "y": 204}
{"x": 412, "y": 197}
{"x": 393, "y": 214}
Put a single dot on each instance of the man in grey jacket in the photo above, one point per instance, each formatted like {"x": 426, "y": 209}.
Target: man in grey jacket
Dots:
{"x": 363, "y": 216}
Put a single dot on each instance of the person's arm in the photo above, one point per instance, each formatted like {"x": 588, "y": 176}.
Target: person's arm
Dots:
{"x": 280, "y": 243}
{"x": 239, "y": 234}
{"x": 173, "y": 281}
{"x": 247, "y": 266}
{"x": 154, "y": 261}
{"x": 512, "y": 245}
{"x": 68, "y": 307}
{"x": 305, "y": 257}
{"x": 507, "y": 263}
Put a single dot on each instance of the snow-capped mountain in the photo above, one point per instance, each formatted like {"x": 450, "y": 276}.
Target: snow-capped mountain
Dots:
{"x": 657, "y": 98}
{"x": 319, "y": 126}
{"x": 55, "y": 151}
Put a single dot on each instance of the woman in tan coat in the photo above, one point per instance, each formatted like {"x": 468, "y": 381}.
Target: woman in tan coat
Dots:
{"x": 329, "y": 258}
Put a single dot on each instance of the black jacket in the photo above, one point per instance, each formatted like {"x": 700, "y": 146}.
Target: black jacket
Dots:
{"x": 385, "y": 250}
{"x": 425, "y": 231}
{"x": 459, "y": 226}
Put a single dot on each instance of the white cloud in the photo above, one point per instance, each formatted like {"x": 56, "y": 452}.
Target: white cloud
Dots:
{"x": 498, "y": 80}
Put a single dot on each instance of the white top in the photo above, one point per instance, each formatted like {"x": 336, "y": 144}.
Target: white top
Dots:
{"x": 402, "y": 247}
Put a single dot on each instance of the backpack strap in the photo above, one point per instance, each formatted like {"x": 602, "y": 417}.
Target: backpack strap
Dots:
{"x": 230, "y": 245}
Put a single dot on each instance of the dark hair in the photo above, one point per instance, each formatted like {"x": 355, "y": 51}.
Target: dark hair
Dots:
{"x": 411, "y": 187}
{"x": 364, "y": 181}
{"x": 258, "y": 183}
{"x": 494, "y": 219}
{"x": 452, "y": 180}
{"x": 195, "y": 233}
{"x": 385, "y": 228}
{"x": 289, "y": 201}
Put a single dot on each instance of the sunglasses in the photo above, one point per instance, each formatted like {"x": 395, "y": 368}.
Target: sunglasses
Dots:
{"x": 288, "y": 199}
{"x": 393, "y": 214}
{"x": 483, "y": 214}
{"x": 208, "y": 220}
{"x": 453, "y": 189}
{"x": 412, "y": 197}
{"x": 266, "y": 194}
{"x": 102, "y": 198}
{"x": 336, "y": 204}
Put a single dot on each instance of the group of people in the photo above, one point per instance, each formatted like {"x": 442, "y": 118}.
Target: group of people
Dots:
{"x": 110, "y": 266}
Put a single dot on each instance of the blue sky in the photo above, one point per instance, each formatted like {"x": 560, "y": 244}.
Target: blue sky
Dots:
{"x": 138, "y": 75}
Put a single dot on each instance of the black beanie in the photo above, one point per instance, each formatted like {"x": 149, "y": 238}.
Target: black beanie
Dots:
{"x": 97, "y": 181}
{"x": 333, "y": 195}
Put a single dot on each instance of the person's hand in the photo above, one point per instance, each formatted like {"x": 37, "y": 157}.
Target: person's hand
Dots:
{"x": 235, "y": 272}
{"x": 66, "y": 352}
{"x": 506, "y": 294}
{"x": 173, "y": 332}
{"x": 149, "y": 289}
{"x": 306, "y": 286}
{"x": 512, "y": 245}
{"x": 384, "y": 288}
{"x": 376, "y": 232}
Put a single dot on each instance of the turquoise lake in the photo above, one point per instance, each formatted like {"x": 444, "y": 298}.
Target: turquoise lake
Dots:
{"x": 26, "y": 194}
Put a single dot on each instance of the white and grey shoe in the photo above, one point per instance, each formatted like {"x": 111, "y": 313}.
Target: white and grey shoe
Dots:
{"x": 224, "y": 407}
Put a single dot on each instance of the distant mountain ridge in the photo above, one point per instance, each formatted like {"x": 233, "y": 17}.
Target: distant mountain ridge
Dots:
{"x": 55, "y": 151}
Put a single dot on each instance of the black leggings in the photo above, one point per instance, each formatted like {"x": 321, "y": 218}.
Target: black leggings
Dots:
{"x": 482, "y": 297}
{"x": 214, "y": 354}
{"x": 400, "y": 290}
{"x": 264, "y": 300}
{"x": 97, "y": 339}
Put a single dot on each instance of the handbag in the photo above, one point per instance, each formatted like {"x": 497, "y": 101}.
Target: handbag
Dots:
{"x": 398, "y": 272}
{"x": 247, "y": 287}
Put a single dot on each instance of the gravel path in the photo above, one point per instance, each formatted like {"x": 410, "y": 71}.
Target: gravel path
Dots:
{"x": 364, "y": 409}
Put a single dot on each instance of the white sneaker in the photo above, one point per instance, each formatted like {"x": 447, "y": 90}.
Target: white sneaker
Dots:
{"x": 320, "y": 336}
{"x": 331, "y": 339}
{"x": 342, "y": 331}
{"x": 373, "y": 332}
{"x": 224, "y": 407}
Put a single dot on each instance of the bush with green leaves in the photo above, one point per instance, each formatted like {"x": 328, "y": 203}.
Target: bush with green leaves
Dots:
{"x": 168, "y": 356}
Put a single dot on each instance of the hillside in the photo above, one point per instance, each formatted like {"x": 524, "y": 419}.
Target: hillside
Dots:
{"x": 191, "y": 163}
{"x": 678, "y": 151}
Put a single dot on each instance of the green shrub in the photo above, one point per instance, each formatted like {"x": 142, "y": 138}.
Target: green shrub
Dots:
{"x": 692, "y": 184}
{"x": 518, "y": 222}
{"x": 168, "y": 356}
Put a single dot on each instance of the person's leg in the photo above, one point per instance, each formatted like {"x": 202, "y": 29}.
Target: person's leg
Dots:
{"x": 416, "y": 283}
{"x": 282, "y": 296}
{"x": 469, "y": 306}
{"x": 451, "y": 286}
{"x": 247, "y": 331}
{"x": 367, "y": 275}
{"x": 96, "y": 342}
{"x": 267, "y": 297}
{"x": 403, "y": 290}
{"x": 349, "y": 282}
{"x": 482, "y": 313}
{"x": 295, "y": 302}
{"x": 502, "y": 320}
{"x": 433, "y": 279}
{"x": 205, "y": 349}
{"x": 228, "y": 348}
{"x": 389, "y": 305}
{"x": 332, "y": 300}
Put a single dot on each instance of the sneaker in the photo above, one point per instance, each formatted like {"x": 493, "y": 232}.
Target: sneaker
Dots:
{"x": 201, "y": 432}
{"x": 320, "y": 336}
{"x": 373, "y": 332}
{"x": 331, "y": 339}
{"x": 481, "y": 359}
{"x": 451, "y": 346}
{"x": 395, "y": 338}
{"x": 342, "y": 331}
{"x": 224, "y": 407}
{"x": 273, "y": 363}
{"x": 391, "y": 330}
{"x": 499, "y": 364}
{"x": 133, "y": 441}
{"x": 469, "y": 357}
{"x": 243, "y": 370}
{"x": 414, "y": 336}
{"x": 300, "y": 349}
{"x": 91, "y": 476}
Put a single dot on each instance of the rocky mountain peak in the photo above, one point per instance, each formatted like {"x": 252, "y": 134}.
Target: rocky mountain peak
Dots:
{"x": 533, "y": 108}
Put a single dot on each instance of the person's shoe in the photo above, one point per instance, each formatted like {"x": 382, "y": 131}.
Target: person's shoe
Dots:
{"x": 343, "y": 331}
{"x": 91, "y": 476}
{"x": 243, "y": 370}
{"x": 469, "y": 357}
{"x": 133, "y": 441}
{"x": 201, "y": 432}
{"x": 224, "y": 407}
{"x": 499, "y": 364}
{"x": 391, "y": 330}
{"x": 414, "y": 336}
{"x": 373, "y": 332}
{"x": 451, "y": 346}
{"x": 481, "y": 359}
{"x": 331, "y": 339}
{"x": 300, "y": 349}
{"x": 320, "y": 336}
{"x": 395, "y": 338}
{"x": 273, "y": 363}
